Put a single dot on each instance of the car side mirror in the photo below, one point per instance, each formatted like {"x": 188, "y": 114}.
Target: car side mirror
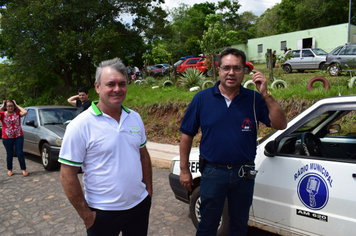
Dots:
{"x": 30, "y": 123}
{"x": 334, "y": 129}
{"x": 270, "y": 149}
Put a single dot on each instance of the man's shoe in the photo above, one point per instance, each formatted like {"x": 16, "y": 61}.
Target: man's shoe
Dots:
{"x": 24, "y": 173}
{"x": 9, "y": 173}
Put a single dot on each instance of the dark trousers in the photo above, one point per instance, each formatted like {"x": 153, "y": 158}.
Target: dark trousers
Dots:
{"x": 218, "y": 184}
{"x": 9, "y": 144}
{"x": 132, "y": 222}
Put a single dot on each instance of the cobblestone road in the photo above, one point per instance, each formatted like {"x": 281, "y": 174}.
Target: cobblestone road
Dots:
{"x": 37, "y": 205}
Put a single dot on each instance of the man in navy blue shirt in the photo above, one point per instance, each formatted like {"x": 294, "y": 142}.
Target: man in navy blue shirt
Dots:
{"x": 228, "y": 115}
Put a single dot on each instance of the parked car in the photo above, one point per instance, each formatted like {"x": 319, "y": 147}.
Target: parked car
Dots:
{"x": 154, "y": 71}
{"x": 43, "y": 129}
{"x": 306, "y": 177}
{"x": 188, "y": 63}
{"x": 166, "y": 68}
{"x": 181, "y": 60}
{"x": 341, "y": 58}
{"x": 304, "y": 59}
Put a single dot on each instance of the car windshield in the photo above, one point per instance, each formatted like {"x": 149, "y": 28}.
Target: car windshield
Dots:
{"x": 319, "y": 52}
{"x": 178, "y": 62}
{"x": 153, "y": 67}
{"x": 56, "y": 115}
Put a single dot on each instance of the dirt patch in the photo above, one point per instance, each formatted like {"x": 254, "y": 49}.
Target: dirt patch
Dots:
{"x": 162, "y": 122}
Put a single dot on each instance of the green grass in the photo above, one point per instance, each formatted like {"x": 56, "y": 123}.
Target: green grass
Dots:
{"x": 297, "y": 89}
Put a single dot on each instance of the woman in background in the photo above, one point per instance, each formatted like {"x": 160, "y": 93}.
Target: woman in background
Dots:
{"x": 12, "y": 135}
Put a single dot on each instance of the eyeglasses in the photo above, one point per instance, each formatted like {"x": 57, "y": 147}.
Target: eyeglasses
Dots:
{"x": 10, "y": 106}
{"x": 236, "y": 69}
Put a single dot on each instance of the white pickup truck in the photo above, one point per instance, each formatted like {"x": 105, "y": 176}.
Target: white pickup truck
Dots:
{"x": 306, "y": 180}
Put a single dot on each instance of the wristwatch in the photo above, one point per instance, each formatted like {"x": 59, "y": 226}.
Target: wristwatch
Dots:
{"x": 267, "y": 95}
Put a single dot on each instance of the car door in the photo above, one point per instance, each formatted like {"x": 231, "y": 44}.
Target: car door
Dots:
{"x": 30, "y": 132}
{"x": 349, "y": 57}
{"x": 308, "y": 60}
{"x": 295, "y": 60}
{"x": 190, "y": 63}
{"x": 307, "y": 194}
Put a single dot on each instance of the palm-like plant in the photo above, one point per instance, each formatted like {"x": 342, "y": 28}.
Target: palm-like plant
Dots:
{"x": 191, "y": 77}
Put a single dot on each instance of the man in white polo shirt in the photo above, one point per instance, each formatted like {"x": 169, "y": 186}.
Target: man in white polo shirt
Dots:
{"x": 108, "y": 141}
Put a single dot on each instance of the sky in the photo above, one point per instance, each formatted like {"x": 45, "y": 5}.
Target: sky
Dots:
{"x": 257, "y": 7}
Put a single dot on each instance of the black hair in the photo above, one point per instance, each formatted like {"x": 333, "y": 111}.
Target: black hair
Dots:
{"x": 235, "y": 52}
{"x": 83, "y": 90}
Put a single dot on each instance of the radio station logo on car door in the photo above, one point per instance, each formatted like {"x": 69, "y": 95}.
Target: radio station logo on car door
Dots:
{"x": 313, "y": 191}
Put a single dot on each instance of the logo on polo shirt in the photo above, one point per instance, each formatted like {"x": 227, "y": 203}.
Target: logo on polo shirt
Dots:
{"x": 134, "y": 130}
{"x": 246, "y": 125}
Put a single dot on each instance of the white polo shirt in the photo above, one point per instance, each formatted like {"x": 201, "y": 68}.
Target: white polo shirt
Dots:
{"x": 109, "y": 154}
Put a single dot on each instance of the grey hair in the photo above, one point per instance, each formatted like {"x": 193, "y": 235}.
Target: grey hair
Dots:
{"x": 115, "y": 64}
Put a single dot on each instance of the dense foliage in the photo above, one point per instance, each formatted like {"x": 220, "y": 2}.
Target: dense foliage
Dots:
{"x": 55, "y": 44}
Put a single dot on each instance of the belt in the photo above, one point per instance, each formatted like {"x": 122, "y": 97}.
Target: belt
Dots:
{"x": 231, "y": 166}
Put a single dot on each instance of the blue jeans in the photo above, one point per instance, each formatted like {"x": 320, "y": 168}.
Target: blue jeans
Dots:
{"x": 218, "y": 184}
{"x": 9, "y": 144}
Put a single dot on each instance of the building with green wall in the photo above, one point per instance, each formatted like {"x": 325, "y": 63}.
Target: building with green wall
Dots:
{"x": 326, "y": 38}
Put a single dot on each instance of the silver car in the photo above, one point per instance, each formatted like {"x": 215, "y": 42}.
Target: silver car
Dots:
{"x": 43, "y": 129}
{"x": 341, "y": 58}
{"x": 304, "y": 59}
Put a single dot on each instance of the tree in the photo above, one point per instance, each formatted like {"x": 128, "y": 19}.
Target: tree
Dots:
{"x": 65, "y": 39}
{"x": 215, "y": 38}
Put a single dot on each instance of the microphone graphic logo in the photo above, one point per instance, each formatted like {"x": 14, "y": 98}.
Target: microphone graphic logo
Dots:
{"x": 312, "y": 188}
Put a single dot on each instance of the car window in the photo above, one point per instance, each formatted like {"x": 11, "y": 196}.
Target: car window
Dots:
{"x": 307, "y": 53}
{"x": 350, "y": 50}
{"x": 192, "y": 61}
{"x": 332, "y": 135}
{"x": 296, "y": 53}
{"x": 56, "y": 116}
{"x": 31, "y": 115}
{"x": 178, "y": 62}
{"x": 319, "y": 52}
{"x": 337, "y": 51}
{"x": 347, "y": 123}
{"x": 342, "y": 51}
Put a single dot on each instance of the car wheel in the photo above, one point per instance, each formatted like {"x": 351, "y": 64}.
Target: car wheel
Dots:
{"x": 321, "y": 79}
{"x": 334, "y": 70}
{"x": 247, "y": 70}
{"x": 287, "y": 69}
{"x": 194, "y": 208}
{"x": 322, "y": 66}
{"x": 47, "y": 161}
{"x": 209, "y": 73}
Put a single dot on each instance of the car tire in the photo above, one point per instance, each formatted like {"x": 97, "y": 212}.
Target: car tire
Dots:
{"x": 279, "y": 84}
{"x": 334, "y": 70}
{"x": 47, "y": 161}
{"x": 209, "y": 73}
{"x": 287, "y": 69}
{"x": 321, "y": 79}
{"x": 322, "y": 66}
{"x": 194, "y": 207}
{"x": 247, "y": 70}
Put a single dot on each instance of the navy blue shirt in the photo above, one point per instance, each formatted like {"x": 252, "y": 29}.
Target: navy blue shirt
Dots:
{"x": 229, "y": 134}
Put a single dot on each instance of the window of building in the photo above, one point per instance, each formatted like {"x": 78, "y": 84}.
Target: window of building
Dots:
{"x": 260, "y": 48}
{"x": 283, "y": 45}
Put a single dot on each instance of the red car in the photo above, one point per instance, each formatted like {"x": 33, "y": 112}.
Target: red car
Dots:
{"x": 188, "y": 63}
{"x": 202, "y": 66}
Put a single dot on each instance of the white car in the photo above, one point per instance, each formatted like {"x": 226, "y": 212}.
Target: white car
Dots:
{"x": 306, "y": 179}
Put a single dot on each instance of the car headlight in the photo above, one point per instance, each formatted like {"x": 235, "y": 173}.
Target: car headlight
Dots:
{"x": 172, "y": 166}
{"x": 59, "y": 142}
